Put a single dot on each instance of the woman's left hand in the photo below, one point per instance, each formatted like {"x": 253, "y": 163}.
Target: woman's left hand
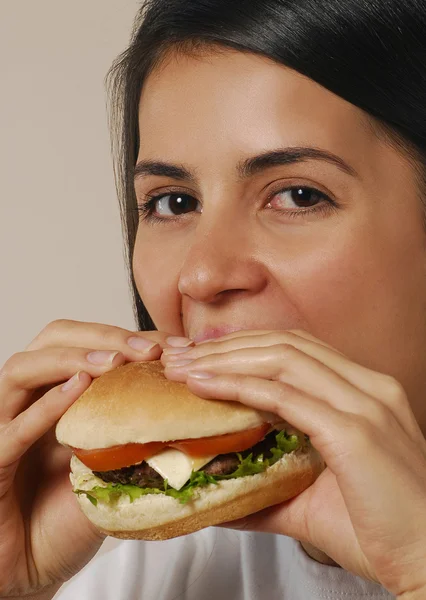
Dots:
{"x": 367, "y": 510}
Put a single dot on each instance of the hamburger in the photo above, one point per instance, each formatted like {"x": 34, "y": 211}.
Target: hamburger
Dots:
{"x": 150, "y": 460}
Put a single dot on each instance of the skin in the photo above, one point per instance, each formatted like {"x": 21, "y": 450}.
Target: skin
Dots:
{"x": 45, "y": 537}
{"x": 328, "y": 309}
{"x": 353, "y": 278}
{"x": 339, "y": 275}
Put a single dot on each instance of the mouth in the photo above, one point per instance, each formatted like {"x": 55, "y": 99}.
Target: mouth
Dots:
{"x": 211, "y": 333}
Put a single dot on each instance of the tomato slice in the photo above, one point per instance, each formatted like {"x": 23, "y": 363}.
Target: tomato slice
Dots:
{"x": 222, "y": 444}
{"x": 117, "y": 457}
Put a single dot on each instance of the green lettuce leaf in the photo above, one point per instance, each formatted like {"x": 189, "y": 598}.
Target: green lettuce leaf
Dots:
{"x": 250, "y": 465}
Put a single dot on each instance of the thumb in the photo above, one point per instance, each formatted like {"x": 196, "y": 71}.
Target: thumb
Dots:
{"x": 285, "y": 519}
{"x": 263, "y": 521}
{"x": 317, "y": 517}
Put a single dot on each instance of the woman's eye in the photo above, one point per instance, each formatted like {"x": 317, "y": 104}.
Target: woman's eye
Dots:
{"x": 171, "y": 205}
{"x": 297, "y": 197}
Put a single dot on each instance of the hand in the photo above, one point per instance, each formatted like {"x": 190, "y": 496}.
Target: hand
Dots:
{"x": 367, "y": 510}
{"x": 44, "y": 537}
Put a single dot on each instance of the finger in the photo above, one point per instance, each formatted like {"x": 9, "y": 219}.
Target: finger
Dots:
{"x": 305, "y": 413}
{"x": 383, "y": 388}
{"x": 135, "y": 345}
{"x": 317, "y": 516}
{"x": 293, "y": 367}
{"x": 20, "y": 434}
{"x": 27, "y": 371}
{"x": 282, "y": 363}
{"x": 251, "y": 339}
{"x": 354, "y": 450}
{"x": 332, "y": 431}
{"x": 376, "y": 469}
{"x": 243, "y": 333}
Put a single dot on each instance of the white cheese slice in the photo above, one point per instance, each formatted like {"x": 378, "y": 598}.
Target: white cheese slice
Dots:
{"x": 175, "y": 466}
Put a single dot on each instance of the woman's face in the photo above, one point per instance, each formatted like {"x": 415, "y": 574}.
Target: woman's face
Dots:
{"x": 281, "y": 206}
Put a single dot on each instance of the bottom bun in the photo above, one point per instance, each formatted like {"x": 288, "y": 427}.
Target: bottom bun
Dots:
{"x": 161, "y": 517}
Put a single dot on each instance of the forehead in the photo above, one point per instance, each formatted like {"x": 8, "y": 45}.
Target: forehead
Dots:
{"x": 225, "y": 105}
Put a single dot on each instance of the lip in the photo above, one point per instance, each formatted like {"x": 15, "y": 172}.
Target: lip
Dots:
{"x": 211, "y": 333}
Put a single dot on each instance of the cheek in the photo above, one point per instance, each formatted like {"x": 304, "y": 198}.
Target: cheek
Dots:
{"x": 325, "y": 286}
{"x": 156, "y": 276}
{"x": 365, "y": 294}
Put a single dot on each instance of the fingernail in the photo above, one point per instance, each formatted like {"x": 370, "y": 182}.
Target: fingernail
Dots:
{"x": 101, "y": 357}
{"x": 71, "y": 383}
{"x": 172, "y": 352}
{"x": 200, "y": 375}
{"x": 179, "y": 342}
{"x": 141, "y": 344}
{"x": 179, "y": 363}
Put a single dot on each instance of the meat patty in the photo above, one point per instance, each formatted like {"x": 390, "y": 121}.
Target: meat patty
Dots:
{"x": 224, "y": 464}
{"x": 143, "y": 475}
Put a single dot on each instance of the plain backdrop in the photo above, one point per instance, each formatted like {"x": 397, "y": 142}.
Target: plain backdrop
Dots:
{"x": 61, "y": 251}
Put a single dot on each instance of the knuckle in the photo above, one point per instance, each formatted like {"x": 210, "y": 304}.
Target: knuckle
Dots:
{"x": 12, "y": 368}
{"x": 301, "y": 336}
{"x": 299, "y": 332}
{"x": 112, "y": 337}
{"x": 14, "y": 434}
{"x": 379, "y": 414}
{"x": 50, "y": 331}
{"x": 370, "y": 426}
{"x": 45, "y": 407}
{"x": 56, "y": 325}
{"x": 276, "y": 394}
{"x": 277, "y": 399}
{"x": 285, "y": 351}
{"x": 393, "y": 390}
{"x": 238, "y": 383}
{"x": 357, "y": 433}
{"x": 363, "y": 429}
{"x": 63, "y": 356}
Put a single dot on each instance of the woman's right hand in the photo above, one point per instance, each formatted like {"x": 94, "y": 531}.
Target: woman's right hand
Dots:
{"x": 44, "y": 537}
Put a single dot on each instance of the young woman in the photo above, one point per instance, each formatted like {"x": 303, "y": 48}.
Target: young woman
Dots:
{"x": 273, "y": 174}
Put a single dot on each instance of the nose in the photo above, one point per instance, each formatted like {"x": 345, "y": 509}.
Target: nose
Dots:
{"x": 221, "y": 261}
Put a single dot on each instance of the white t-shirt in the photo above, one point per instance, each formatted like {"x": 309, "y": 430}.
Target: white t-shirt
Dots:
{"x": 214, "y": 564}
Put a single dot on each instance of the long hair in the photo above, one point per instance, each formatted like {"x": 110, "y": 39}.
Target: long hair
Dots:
{"x": 372, "y": 53}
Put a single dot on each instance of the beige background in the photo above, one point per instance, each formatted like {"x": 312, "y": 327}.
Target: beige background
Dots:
{"x": 60, "y": 234}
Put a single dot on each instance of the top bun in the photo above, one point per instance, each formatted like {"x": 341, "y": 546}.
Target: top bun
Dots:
{"x": 135, "y": 403}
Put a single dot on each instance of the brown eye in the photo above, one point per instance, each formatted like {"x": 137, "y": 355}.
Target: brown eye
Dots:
{"x": 176, "y": 204}
{"x": 297, "y": 197}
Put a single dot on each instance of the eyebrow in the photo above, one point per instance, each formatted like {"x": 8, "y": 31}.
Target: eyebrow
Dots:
{"x": 248, "y": 167}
